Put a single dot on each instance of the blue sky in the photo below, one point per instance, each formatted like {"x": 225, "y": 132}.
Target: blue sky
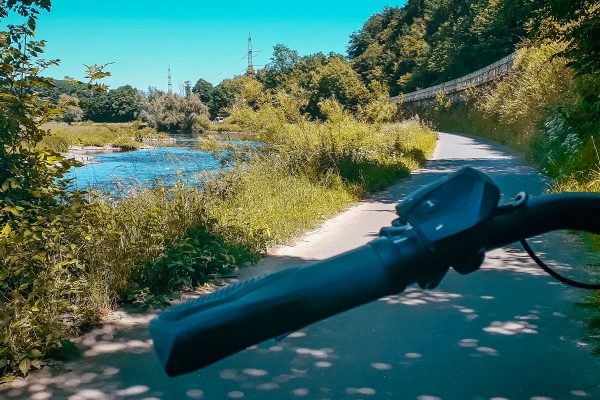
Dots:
{"x": 198, "y": 39}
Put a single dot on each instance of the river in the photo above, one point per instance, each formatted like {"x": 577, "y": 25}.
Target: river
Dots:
{"x": 118, "y": 172}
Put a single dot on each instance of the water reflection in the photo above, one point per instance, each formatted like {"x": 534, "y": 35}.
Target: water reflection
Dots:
{"x": 117, "y": 172}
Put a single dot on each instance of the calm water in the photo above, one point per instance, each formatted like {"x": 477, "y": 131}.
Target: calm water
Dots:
{"x": 116, "y": 172}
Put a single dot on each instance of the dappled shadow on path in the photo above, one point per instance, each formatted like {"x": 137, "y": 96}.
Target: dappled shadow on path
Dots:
{"x": 506, "y": 332}
{"x": 510, "y": 177}
{"x": 489, "y": 324}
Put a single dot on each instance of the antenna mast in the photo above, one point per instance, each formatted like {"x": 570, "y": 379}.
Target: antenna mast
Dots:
{"x": 250, "y": 69}
{"x": 170, "y": 84}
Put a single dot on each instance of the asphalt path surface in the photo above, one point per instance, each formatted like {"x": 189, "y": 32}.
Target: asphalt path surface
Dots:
{"x": 506, "y": 332}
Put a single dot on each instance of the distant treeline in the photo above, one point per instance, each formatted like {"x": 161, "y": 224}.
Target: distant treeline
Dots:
{"x": 398, "y": 50}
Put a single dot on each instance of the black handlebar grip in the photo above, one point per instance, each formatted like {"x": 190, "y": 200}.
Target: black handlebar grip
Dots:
{"x": 198, "y": 333}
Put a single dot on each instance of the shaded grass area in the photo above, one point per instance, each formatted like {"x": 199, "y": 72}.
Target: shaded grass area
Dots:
{"x": 81, "y": 260}
{"x": 127, "y": 136}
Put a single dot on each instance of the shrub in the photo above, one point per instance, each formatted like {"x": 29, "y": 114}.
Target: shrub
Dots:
{"x": 202, "y": 124}
{"x": 70, "y": 108}
{"x": 265, "y": 204}
{"x": 125, "y": 143}
{"x": 370, "y": 156}
{"x": 173, "y": 113}
{"x": 540, "y": 79}
{"x": 55, "y": 142}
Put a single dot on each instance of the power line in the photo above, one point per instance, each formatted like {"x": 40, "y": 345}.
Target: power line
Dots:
{"x": 229, "y": 67}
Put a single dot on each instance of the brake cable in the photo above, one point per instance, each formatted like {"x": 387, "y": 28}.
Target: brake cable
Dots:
{"x": 520, "y": 200}
{"x": 553, "y": 273}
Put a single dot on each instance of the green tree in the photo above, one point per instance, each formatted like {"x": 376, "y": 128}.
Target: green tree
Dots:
{"x": 203, "y": 88}
{"x": 62, "y": 86}
{"x": 123, "y": 104}
{"x": 23, "y": 171}
{"x": 336, "y": 80}
{"x": 426, "y": 42}
{"x": 71, "y": 112}
{"x": 577, "y": 22}
{"x": 369, "y": 64}
{"x": 173, "y": 113}
{"x": 283, "y": 61}
{"x": 244, "y": 89}
{"x": 221, "y": 98}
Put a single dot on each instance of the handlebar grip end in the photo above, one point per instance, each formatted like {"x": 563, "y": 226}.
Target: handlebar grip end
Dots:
{"x": 163, "y": 339}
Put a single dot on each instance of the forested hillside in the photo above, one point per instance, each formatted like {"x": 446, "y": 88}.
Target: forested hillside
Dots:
{"x": 548, "y": 107}
{"x": 427, "y": 42}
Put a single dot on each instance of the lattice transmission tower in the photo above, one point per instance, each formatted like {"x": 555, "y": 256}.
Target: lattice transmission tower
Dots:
{"x": 250, "y": 69}
{"x": 170, "y": 84}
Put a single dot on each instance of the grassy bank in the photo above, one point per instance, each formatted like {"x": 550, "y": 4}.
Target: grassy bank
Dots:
{"x": 542, "y": 109}
{"x": 127, "y": 136}
{"x": 91, "y": 255}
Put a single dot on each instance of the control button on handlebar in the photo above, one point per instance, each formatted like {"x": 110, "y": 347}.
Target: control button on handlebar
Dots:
{"x": 430, "y": 206}
{"x": 469, "y": 197}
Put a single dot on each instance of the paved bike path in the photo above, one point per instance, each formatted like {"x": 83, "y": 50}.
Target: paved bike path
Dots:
{"x": 507, "y": 332}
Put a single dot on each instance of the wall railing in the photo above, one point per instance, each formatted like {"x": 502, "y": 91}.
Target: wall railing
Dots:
{"x": 482, "y": 76}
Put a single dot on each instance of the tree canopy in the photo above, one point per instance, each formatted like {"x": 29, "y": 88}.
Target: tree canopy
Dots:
{"x": 431, "y": 41}
{"x": 122, "y": 104}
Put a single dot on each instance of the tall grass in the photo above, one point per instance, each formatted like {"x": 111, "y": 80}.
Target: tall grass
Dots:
{"x": 512, "y": 111}
{"x": 126, "y": 136}
{"x": 98, "y": 254}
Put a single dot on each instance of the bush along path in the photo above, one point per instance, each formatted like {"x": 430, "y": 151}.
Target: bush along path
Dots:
{"x": 71, "y": 265}
{"x": 506, "y": 323}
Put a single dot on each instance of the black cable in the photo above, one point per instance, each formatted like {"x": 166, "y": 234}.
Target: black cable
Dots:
{"x": 555, "y": 274}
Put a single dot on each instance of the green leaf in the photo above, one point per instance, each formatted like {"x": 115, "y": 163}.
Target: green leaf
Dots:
{"x": 12, "y": 210}
{"x": 6, "y": 230}
{"x": 25, "y": 366}
{"x": 35, "y": 353}
{"x": 8, "y": 378}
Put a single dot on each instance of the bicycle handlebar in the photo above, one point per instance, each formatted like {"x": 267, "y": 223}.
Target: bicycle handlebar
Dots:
{"x": 198, "y": 333}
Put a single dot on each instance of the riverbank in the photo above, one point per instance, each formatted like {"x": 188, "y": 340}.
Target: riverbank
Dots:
{"x": 85, "y": 154}
{"x": 145, "y": 247}
{"x": 80, "y": 137}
